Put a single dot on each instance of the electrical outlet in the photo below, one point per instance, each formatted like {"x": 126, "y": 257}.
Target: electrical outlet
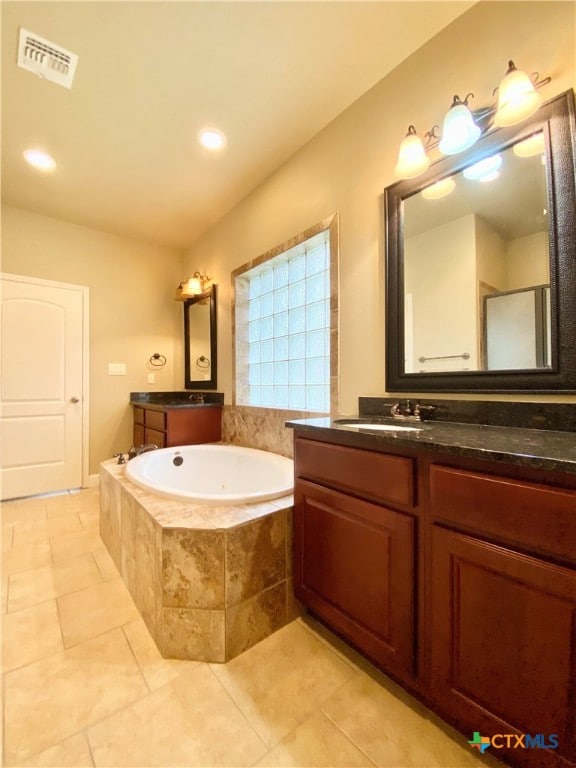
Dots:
{"x": 151, "y": 378}
{"x": 116, "y": 369}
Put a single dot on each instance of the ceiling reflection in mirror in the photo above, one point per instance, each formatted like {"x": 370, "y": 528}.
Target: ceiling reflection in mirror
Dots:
{"x": 477, "y": 266}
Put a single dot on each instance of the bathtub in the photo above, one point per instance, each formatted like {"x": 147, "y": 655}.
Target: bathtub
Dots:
{"x": 213, "y": 474}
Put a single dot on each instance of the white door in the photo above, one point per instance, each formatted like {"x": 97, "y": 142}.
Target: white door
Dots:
{"x": 42, "y": 386}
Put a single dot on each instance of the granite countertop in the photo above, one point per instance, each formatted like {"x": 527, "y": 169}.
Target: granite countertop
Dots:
{"x": 535, "y": 448}
{"x": 158, "y": 401}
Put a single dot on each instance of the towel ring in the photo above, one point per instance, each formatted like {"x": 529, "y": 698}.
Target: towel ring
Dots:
{"x": 157, "y": 360}
{"x": 203, "y": 362}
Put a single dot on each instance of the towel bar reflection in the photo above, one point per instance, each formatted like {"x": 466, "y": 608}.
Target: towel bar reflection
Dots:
{"x": 464, "y": 356}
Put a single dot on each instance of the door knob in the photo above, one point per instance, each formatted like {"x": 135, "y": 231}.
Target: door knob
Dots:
{"x": 74, "y": 400}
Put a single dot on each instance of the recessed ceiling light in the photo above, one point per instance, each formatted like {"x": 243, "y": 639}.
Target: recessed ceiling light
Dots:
{"x": 212, "y": 138}
{"x": 39, "y": 159}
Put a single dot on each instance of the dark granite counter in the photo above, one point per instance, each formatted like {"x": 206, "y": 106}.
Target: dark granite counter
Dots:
{"x": 159, "y": 401}
{"x": 542, "y": 449}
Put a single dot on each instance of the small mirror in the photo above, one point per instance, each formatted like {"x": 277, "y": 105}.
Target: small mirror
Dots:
{"x": 481, "y": 264}
{"x": 200, "y": 341}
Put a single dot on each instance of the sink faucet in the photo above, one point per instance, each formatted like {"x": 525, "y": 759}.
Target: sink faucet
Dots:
{"x": 408, "y": 412}
{"x": 133, "y": 452}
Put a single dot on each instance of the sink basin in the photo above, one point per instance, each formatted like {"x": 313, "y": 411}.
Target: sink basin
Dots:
{"x": 376, "y": 425}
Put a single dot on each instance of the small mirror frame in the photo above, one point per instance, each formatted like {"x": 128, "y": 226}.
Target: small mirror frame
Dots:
{"x": 556, "y": 118}
{"x": 211, "y": 383}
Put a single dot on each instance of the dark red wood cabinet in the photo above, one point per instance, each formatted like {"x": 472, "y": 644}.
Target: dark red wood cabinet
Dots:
{"x": 458, "y": 579}
{"x": 166, "y": 427}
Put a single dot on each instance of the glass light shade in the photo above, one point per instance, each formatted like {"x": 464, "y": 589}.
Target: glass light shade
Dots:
{"x": 459, "y": 131}
{"x": 412, "y": 157}
{"x": 517, "y": 98}
{"x": 533, "y": 145}
{"x": 192, "y": 287}
{"x": 483, "y": 169}
{"x": 440, "y": 189}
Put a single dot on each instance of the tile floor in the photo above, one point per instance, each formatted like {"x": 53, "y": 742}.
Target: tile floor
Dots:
{"x": 84, "y": 685}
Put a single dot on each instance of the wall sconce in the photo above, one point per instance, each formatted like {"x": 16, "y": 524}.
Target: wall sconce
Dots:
{"x": 192, "y": 286}
{"x": 462, "y": 127}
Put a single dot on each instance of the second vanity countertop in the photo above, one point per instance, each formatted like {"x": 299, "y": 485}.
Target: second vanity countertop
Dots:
{"x": 535, "y": 448}
{"x": 160, "y": 401}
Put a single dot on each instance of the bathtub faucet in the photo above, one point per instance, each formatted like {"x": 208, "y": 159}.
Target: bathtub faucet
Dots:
{"x": 133, "y": 452}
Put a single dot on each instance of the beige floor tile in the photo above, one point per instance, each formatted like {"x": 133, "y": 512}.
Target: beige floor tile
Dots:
{"x": 70, "y": 753}
{"x": 7, "y": 537}
{"x": 157, "y": 670}
{"x": 189, "y": 722}
{"x": 41, "y": 584}
{"x": 105, "y": 564}
{"x": 279, "y": 682}
{"x": 21, "y": 511}
{"x": 95, "y": 610}
{"x": 39, "y": 530}
{"x": 393, "y": 729}
{"x": 317, "y": 743}
{"x": 27, "y": 557}
{"x": 90, "y": 520}
{"x": 30, "y": 634}
{"x": 4, "y": 588}
{"x": 73, "y": 544}
{"x": 52, "y": 699}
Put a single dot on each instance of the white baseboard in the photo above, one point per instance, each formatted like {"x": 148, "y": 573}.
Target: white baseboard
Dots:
{"x": 93, "y": 481}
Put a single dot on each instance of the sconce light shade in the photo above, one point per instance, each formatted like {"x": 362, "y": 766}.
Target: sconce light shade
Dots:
{"x": 412, "y": 157}
{"x": 517, "y": 98}
{"x": 191, "y": 287}
{"x": 459, "y": 131}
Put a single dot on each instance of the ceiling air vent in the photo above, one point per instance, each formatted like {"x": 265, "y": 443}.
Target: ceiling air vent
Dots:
{"x": 46, "y": 59}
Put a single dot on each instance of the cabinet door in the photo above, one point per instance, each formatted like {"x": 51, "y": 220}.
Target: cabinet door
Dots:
{"x": 354, "y": 567}
{"x": 504, "y": 644}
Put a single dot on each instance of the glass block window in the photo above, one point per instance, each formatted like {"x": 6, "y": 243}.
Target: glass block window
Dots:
{"x": 282, "y": 320}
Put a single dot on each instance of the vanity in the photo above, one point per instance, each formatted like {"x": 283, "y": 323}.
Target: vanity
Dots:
{"x": 447, "y": 556}
{"x": 176, "y": 418}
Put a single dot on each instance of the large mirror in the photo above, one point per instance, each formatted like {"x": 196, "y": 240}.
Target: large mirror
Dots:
{"x": 481, "y": 264}
{"x": 200, "y": 341}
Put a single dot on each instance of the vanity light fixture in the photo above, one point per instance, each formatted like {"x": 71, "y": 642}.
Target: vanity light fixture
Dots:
{"x": 517, "y": 97}
{"x": 459, "y": 131}
{"x": 192, "y": 286}
{"x": 412, "y": 157}
{"x": 39, "y": 159}
{"x": 439, "y": 189}
{"x": 462, "y": 127}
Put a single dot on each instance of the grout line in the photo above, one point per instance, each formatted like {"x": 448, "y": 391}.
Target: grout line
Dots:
{"x": 123, "y": 628}
{"x": 209, "y": 664}
{"x": 85, "y": 732}
{"x": 350, "y": 739}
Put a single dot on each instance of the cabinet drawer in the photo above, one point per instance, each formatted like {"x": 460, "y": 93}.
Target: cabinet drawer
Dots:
{"x": 156, "y": 420}
{"x": 138, "y": 415}
{"x": 365, "y": 473}
{"x": 532, "y": 516}
{"x": 153, "y": 436}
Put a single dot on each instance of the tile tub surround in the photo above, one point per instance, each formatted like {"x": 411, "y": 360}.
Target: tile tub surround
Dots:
{"x": 209, "y": 582}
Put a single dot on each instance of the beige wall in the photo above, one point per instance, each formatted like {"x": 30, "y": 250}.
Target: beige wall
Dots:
{"x": 132, "y": 311}
{"x": 345, "y": 168}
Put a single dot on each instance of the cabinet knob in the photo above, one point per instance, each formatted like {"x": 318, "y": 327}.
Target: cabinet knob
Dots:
{"x": 74, "y": 400}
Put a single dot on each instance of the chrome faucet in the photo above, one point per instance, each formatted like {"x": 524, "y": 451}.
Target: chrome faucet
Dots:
{"x": 133, "y": 452}
{"x": 408, "y": 412}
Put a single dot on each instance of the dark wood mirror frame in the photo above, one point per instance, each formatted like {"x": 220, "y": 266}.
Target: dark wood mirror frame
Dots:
{"x": 212, "y": 382}
{"x": 557, "y": 120}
